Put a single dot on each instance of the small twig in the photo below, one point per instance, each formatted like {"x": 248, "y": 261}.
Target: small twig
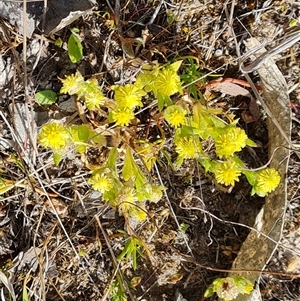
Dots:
{"x": 289, "y": 42}
{"x": 156, "y": 12}
{"x": 115, "y": 263}
{"x": 172, "y": 211}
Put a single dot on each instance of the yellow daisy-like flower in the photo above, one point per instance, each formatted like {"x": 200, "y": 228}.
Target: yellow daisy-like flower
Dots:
{"x": 240, "y": 137}
{"x": 188, "y": 147}
{"x": 167, "y": 82}
{"x": 122, "y": 115}
{"x": 175, "y": 115}
{"x": 92, "y": 94}
{"x": 53, "y": 135}
{"x": 267, "y": 180}
{"x": 230, "y": 142}
{"x": 227, "y": 173}
{"x": 72, "y": 83}
{"x": 129, "y": 96}
{"x": 101, "y": 182}
{"x": 127, "y": 201}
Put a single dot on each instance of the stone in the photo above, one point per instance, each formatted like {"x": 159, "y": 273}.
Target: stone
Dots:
{"x": 59, "y": 14}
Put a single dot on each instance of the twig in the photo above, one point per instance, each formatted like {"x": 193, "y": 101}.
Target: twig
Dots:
{"x": 115, "y": 263}
{"x": 172, "y": 211}
{"x": 289, "y": 42}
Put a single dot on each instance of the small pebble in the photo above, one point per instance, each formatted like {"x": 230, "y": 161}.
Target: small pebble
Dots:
{"x": 218, "y": 52}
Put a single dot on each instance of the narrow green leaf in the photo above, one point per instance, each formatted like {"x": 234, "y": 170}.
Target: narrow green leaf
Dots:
{"x": 175, "y": 66}
{"x": 45, "y": 97}
{"x": 75, "y": 48}
{"x": 209, "y": 292}
{"x": 129, "y": 166}
{"x": 112, "y": 159}
{"x": 251, "y": 176}
{"x": 58, "y": 42}
{"x": 83, "y": 132}
{"x": 251, "y": 143}
{"x": 57, "y": 158}
{"x": 24, "y": 294}
{"x": 140, "y": 179}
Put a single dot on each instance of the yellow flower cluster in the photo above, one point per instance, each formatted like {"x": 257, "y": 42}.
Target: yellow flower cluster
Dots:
{"x": 72, "y": 83}
{"x": 167, "y": 82}
{"x": 53, "y": 135}
{"x": 101, "y": 182}
{"x": 129, "y": 96}
{"x": 188, "y": 147}
{"x": 267, "y": 181}
{"x": 122, "y": 115}
{"x": 92, "y": 94}
{"x": 230, "y": 141}
{"x": 175, "y": 115}
{"x": 227, "y": 173}
{"x": 88, "y": 90}
{"x": 129, "y": 205}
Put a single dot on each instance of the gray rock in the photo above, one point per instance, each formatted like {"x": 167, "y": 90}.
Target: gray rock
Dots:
{"x": 13, "y": 12}
{"x": 59, "y": 14}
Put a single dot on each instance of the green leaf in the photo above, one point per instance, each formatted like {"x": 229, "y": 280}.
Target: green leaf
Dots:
{"x": 25, "y": 294}
{"x": 175, "y": 66}
{"x": 162, "y": 100}
{"x": 57, "y": 158}
{"x": 5, "y": 187}
{"x": 129, "y": 165}
{"x": 251, "y": 176}
{"x": 171, "y": 17}
{"x": 83, "y": 132}
{"x": 112, "y": 159}
{"x": 135, "y": 281}
{"x": 75, "y": 47}
{"x": 206, "y": 163}
{"x": 209, "y": 292}
{"x": 45, "y": 97}
{"x": 58, "y": 42}
{"x": 251, "y": 143}
{"x": 140, "y": 179}
{"x": 243, "y": 284}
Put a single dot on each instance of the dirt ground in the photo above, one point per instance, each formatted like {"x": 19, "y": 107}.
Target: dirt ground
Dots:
{"x": 39, "y": 247}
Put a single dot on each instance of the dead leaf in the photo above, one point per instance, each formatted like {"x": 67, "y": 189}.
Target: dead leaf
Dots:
{"x": 231, "y": 89}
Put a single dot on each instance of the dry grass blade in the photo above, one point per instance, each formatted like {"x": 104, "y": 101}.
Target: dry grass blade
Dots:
{"x": 5, "y": 281}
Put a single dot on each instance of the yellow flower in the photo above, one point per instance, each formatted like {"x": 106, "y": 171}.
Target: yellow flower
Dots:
{"x": 167, "y": 82}
{"x": 129, "y": 96}
{"x": 92, "y": 94}
{"x": 175, "y": 115}
{"x": 101, "y": 182}
{"x": 188, "y": 147}
{"x": 227, "y": 173}
{"x": 267, "y": 180}
{"x": 122, "y": 115}
{"x": 127, "y": 204}
{"x": 72, "y": 83}
{"x": 240, "y": 138}
{"x": 53, "y": 135}
{"x": 229, "y": 142}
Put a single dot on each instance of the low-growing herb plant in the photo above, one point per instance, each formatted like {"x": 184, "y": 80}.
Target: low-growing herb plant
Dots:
{"x": 202, "y": 133}
{"x": 229, "y": 288}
